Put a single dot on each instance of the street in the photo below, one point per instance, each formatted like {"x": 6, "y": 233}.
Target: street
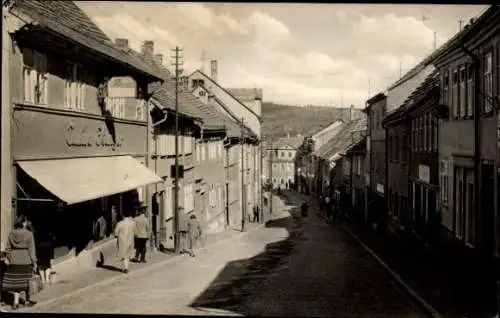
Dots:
{"x": 291, "y": 267}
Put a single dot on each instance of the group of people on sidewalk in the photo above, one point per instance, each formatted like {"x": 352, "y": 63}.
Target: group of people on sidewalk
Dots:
{"x": 132, "y": 234}
{"x": 25, "y": 265}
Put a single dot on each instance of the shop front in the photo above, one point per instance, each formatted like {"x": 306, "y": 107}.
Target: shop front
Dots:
{"x": 76, "y": 175}
{"x": 424, "y": 201}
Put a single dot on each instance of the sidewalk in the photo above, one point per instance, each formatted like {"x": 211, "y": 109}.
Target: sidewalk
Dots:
{"x": 454, "y": 286}
{"x": 87, "y": 278}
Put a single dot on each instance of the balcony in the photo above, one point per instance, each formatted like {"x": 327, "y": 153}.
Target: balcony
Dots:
{"x": 126, "y": 108}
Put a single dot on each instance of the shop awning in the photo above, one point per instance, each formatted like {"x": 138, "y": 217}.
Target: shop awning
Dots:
{"x": 82, "y": 179}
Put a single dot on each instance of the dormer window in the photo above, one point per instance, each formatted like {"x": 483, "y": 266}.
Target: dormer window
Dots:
{"x": 198, "y": 82}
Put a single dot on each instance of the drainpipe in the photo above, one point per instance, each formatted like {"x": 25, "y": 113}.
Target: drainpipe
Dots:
{"x": 152, "y": 128}
{"x": 155, "y": 134}
{"x": 477, "y": 132}
{"x": 477, "y": 149}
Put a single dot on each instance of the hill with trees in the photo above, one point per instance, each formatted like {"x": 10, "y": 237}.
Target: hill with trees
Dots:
{"x": 279, "y": 120}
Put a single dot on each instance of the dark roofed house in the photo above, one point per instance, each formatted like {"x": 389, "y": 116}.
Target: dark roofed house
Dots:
{"x": 70, "y": 137}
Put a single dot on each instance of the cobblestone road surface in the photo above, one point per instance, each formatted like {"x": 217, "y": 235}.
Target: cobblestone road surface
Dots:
{"x": 293, "y": 267}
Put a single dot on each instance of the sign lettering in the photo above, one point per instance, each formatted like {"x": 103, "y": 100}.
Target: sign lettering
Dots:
{"x": 85, "y": 139}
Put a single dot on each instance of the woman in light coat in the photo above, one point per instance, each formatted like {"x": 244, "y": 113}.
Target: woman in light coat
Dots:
{"x": 124, "y": 232}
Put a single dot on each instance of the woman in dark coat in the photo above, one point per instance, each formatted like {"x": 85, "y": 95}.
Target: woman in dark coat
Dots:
{"x": 44, "y": 254}
{"x": 21, "y": 260}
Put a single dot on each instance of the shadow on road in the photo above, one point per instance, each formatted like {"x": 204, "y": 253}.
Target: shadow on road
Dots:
{"x": 230, "y": 291}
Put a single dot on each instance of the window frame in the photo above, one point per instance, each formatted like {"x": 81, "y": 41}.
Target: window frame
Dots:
{"x": 487, "y": 105}
{"x": 38, "y": 72}
{"x": 455, "y": 97}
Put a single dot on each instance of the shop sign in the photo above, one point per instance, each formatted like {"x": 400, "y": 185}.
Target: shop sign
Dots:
{"x": 424, "y": 173}
{"x": 85, "y": 139}
{"x": 380, "y": 188}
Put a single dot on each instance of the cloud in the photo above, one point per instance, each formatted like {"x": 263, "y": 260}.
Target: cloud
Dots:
{"x": 298, "y": 54}
{"x": 392, "y": 34}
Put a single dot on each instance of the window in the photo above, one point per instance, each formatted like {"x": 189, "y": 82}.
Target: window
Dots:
{"x": 170, "y": 145}
{"x": 443, "y": 180}
{"x": 469, "y": 207}
{"x": 404, "y": 153}
{"x": 435, "y": 123}
{"x": 35, "y": 79}
{"x": 198, "y": 82}
{"x": 282, "y": 153}
{"x": 140, "y": 109}
{"x": 168, "y": 207}
{"x": 462, "y": 92}
{"x": 188, "y": 144}
{"x": 446, "y": 87}
{"x": 459, "y": 200}
{"x": 115, "y": 105}
{"x": 188, "y": 198}
{"x": 74, "y": 93}
{"x": 203, "y": 150}
{"x": 454, "y": 93}
{"x": 290, "y": 154}
{"x": 198, "y": 152}
{"x": 429, "y": 131}
{"x": 424, "y": 132}
{"x": 219, "y": 148}
{"x": 488, "y": 82}
{"x": 469, "y": 106}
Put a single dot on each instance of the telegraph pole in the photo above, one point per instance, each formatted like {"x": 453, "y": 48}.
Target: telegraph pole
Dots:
{"x": 260, "y": 181}
{"x": 177, "y": 62}
{"x": 271, "y": 178}
{"x": 243, "y": 199}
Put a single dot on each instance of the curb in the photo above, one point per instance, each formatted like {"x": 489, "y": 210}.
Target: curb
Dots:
{"x": 427, "y": 308}
{"x": 132, "y": 274}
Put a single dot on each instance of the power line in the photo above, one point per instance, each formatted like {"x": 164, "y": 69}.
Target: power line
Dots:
{"x": 177, "y": 63}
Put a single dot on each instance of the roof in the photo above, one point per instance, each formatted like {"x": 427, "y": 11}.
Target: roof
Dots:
{"x": 316, "y": 131}
{"x": 438, "y": 52}
{"x": 486, "y": 22}
{"x": 422, "y": 91}
{"x": 359, "y": 145}
{"x": 370, "y": 102}
{"x": 246, "y": 94}
{"x": 293, "y": 142}
{"x": 67, "y": 19}
{"x": 228, "y": 92}
{"x": 343, "y": 139}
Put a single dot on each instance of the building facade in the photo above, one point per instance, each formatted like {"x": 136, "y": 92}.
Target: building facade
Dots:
{"x": 376, "y": 155}
{"x": 468, "y": 149}
{"x": 357, "y": 156}
{"x": 422, "y": 119}
{"x": 78, "y": 152}
{"x": 248, "y": 186}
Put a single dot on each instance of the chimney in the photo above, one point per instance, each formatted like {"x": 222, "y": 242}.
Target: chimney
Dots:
{"x": 213, "y": 68}
{"x": 121, "y": 43}
{"x": 351, "y": 113}
{"x": 147, "y": 48}
{"x": 184, "y": 82}
{"x": 158, "y": 58}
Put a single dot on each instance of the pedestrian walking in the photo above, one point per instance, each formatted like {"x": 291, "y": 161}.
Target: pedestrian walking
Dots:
{"x": 304, "y": 209}
{"x": 114, "y": 218}
{"x": 124, "y": 232}
{"x": 100, "y": 228}
{"x": 256, "y": 212}
{"x": 141, "y": 234}
{"x": 21, "y": 262}
{"x": 194, "y": 233}
{"x": 3, "y": 266}
{"x": 183, "y": 231}
{"x": 44, "y": 254}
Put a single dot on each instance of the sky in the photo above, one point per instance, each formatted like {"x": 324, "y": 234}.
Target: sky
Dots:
{"x": 299, "y": 54}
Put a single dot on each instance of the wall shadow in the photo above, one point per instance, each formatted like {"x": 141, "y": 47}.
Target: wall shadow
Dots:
{"x": 240, "y": 282}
